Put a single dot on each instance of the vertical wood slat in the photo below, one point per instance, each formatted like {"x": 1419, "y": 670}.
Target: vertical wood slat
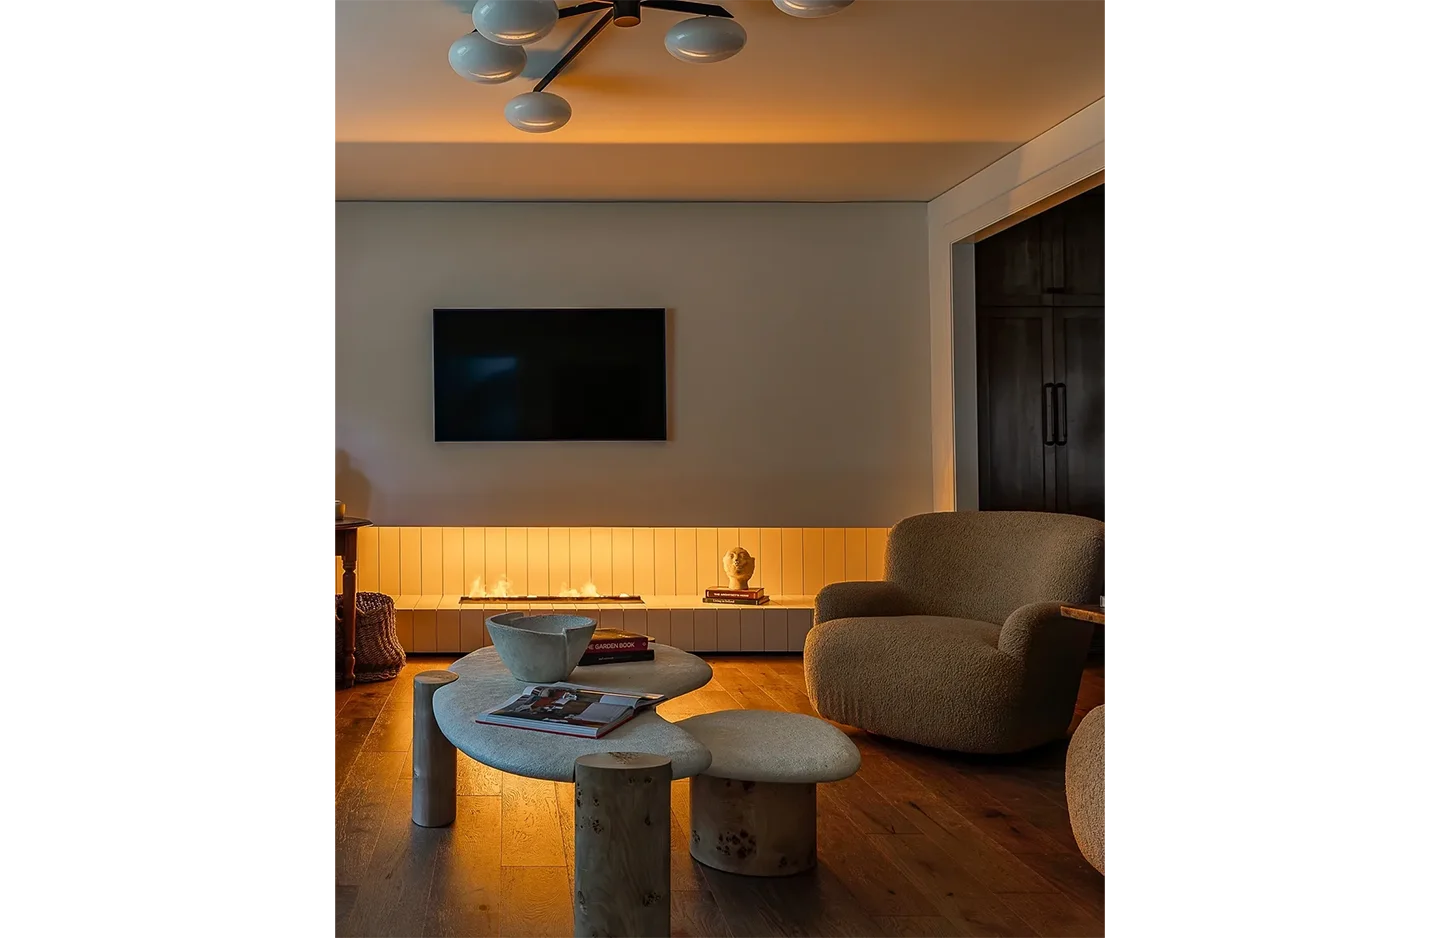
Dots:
{"x": 495, "y": 556}
{"x": 452, "y": 580}
{"x": 517, "y": 565}
{"x": 644, "y": 560}
{"x": 727, "y": 630}
{"x": 797, "y": 623}
{"x": 834, "y": 555}
{"x": 559, "y": 574}
{"x": 772, "y": 548}
{"x": 602, "y": 566}
{"x": 432, "y": 561}
{"x": 424, "y": 620}
{"x": 707, "y": 558}
{"x": 405, "y": 627}
{"x": 685, "y": 584}
{"x": 579, "y": 557}
{"x": 665, "y": 561}
{"x": 638, "y": 620}
{"x": 447, "y": 630}
{"x": 367, "y": 559}
{"x": 622, "y": 560}
{"x": 777, "y": 629}
{"x": 814, "y": 560}
{"x": 474, "y": 561}
{"x": 792, "y": 562}
{"x": 410, "y": 581}
{"x": 704, "y": 629}
{"x": 855, "y": 553}
{"x": 682, "y": 629}
{"x": 610, "y": 617}
{"x": 472, "y": 628}
{"x": 657, "y": 623}
{"x": 388, "y": 540}
{"x": 875, "y": 539}
{"x": 750, "y": 540}
{"x": 537, "y": 561}
{"x": 752, "y": 629}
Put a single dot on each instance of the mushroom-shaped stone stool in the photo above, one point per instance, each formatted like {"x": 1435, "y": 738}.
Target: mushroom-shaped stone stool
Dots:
{"x": 753, "y": 811}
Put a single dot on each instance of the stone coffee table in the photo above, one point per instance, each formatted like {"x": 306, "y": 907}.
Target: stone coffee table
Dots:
{"x": 484, "y": 684}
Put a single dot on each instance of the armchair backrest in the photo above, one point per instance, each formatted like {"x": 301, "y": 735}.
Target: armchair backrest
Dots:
{"x": 986, "y": 564}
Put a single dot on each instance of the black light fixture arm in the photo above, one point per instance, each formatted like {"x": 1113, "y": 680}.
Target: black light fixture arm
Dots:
{"x": 674, "y": 6}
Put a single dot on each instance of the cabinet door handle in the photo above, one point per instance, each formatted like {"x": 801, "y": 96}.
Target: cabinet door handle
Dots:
{"x": 1047, "y": 413}
{"x": 1062, "y": 412}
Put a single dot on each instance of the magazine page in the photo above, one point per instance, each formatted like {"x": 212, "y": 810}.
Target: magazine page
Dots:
{"x": 573, "y": 706}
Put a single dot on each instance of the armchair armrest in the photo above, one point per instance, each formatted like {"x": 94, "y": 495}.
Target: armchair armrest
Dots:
{"x": 1038, "y": 631}
{"x": 862, "y": 598}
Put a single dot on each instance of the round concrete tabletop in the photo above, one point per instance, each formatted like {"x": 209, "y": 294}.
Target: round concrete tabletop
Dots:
{"x": 770, "y": 746}
{"x": 485, "y": 684}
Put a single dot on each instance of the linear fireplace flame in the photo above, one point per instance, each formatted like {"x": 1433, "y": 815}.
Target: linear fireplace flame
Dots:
{"x": 504, "y": 589}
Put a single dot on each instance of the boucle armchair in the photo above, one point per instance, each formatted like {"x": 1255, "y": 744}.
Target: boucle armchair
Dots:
{"x": 962, "y": 645}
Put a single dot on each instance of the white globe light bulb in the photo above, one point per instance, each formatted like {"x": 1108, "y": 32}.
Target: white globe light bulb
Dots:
{"x": 705, "y": 39}
{"x": 537, "y": 112}
{"x": 475, "y": 58}
{"x": 515, "y": 22}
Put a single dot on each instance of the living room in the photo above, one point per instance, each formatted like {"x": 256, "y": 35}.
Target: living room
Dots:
{"x": 725, "y": 422}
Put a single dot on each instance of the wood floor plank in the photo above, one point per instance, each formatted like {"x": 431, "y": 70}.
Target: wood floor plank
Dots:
{"x": 465, "y": 890}
{"x": 394, "y": 893}
{"x": 961, "y": 898}
{"x": 694, "y": 913}
{"x": 1051, "y": 914}
{"x": 360, "y": 811}
{"x": 530, "y": 823}
{"x": 473, "y": 778}
{"x": 915, "y": 926}
{"x": 878, "y": 885}
{"x": 535, "y": 902}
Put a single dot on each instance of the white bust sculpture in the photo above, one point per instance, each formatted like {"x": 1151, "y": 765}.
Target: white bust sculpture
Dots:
{"x": 739, "y": 567}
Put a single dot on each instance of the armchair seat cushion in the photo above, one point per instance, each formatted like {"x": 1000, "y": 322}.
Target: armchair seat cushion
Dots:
{"x": 933, "y": 680}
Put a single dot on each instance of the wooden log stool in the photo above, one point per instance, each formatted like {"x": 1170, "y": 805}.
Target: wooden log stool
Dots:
{"x": 433, "y": 758}
{"x": 753, "y": 811}
{"x": 622, "y": 845}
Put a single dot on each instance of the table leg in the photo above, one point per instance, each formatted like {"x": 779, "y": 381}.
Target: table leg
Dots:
{"x": 622, "y": 844}
{"x": 346, "y": 549}
{"x": 432, "y": 793}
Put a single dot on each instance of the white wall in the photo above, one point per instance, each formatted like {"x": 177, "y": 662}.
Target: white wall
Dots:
{"x": 1067, "y": 153}
{"x": 800, "y": 387}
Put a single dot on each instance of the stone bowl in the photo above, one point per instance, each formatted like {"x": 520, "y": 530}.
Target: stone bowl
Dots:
{"x": 541, "y": 649}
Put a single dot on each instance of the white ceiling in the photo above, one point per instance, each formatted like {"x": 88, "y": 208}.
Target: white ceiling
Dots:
{"x": 888, "y": 100}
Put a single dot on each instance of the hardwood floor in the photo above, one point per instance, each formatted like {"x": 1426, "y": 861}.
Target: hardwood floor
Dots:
{"x": 919, "y": 843}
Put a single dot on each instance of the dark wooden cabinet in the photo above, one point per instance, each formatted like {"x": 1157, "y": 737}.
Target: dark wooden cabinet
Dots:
{"x": 1040, "y": 355}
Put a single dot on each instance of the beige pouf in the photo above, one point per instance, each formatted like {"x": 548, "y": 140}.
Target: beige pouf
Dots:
{"x": 1085, "y": 786}
{"x": 753, "y": 810}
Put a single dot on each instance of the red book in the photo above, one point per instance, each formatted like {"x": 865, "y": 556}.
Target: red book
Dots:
{"x": 615, "y": 641}
{"x": 723, "y": 592}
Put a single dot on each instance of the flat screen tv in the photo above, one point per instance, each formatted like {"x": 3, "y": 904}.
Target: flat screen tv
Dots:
{"x": 549, "y": 374}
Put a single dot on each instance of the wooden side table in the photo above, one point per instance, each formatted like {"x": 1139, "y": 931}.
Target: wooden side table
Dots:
{"x": 1089, "y": 613}
{"x": 345, "y": 538}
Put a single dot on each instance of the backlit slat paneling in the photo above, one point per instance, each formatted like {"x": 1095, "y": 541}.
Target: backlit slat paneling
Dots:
{"x": 410, "y": 581}
{"x": 517, "y": 561}
{"x": 792, "y": 562}
{"x": 602, "y": 567}
{"x": 707, "y": 558}
{"x": 752, "y": 629}
{"x": 814, "y": 560}
{"x": 472, "y": 628}
{"x": 834, "y": 569}
{"x": 559, "y": 576}
{"x": 447, "y": 630}
{"x": 644, "y": 561}
{"x": 452, "y": 581}
{"x": 772, "y": 548}
{"x": 704, "y": 630}
{"x": 388, "y": 542}
{"x": 424, "y": 630}
{"x": 537, "y": 551}
{"x": 685, "y": 584}
{"x": 610, "y": 617}
{"x": 777, "y": 630}
{"x": 432, "y": 561}
{"x": 657, "y": 625}
{"x": 579, "y": 557}
{"x": 727, "y": 629}
{"x": 622, "y": 560}
{"x": 367, "y": 559}
{"x": 665, "y": 561}
{"x": 855, "y": 553}
{"x": 798, "y": 624}
{"x": 682, "y": 628}
{"x": 750, "y": 540}
{"x": 404, "y": 623}
{"x": 638, "y": 621}
{"x": 875, "y": 553}
{"x": 494, "y": 556}
{"x": 474, "y": 560}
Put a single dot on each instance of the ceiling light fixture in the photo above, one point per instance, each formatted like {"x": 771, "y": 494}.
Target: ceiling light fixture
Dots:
{"x": 502, "y": 27}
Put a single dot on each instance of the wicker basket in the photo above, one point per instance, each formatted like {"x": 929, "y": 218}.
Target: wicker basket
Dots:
{"x": 378, "y": 655}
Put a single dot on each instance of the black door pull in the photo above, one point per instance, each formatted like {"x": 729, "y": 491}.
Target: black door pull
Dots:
{"x": 1047, "y": 413}
{"x": 1062, "y": 411}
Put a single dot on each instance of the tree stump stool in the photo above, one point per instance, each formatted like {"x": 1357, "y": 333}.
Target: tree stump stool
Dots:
{"x": 753, "y": 811}
{"x": 622, "y": 845}
{"x": 432, "y": 793}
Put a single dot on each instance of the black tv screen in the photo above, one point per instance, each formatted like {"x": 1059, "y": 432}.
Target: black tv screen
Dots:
{"x": 549, "y": 374}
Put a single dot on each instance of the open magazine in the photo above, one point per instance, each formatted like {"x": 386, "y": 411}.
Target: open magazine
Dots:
{"x": 569, "y": 709}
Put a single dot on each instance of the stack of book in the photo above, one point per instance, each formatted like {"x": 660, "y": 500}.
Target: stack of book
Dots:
{"x": 611, "y": 646}
{"x": 736, "y": 597}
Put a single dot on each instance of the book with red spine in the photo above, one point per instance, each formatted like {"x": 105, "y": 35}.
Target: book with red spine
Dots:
{"x": 616, "y": 642}
{"x": 736, "y": 600}
{"x": 723, "y": 592}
